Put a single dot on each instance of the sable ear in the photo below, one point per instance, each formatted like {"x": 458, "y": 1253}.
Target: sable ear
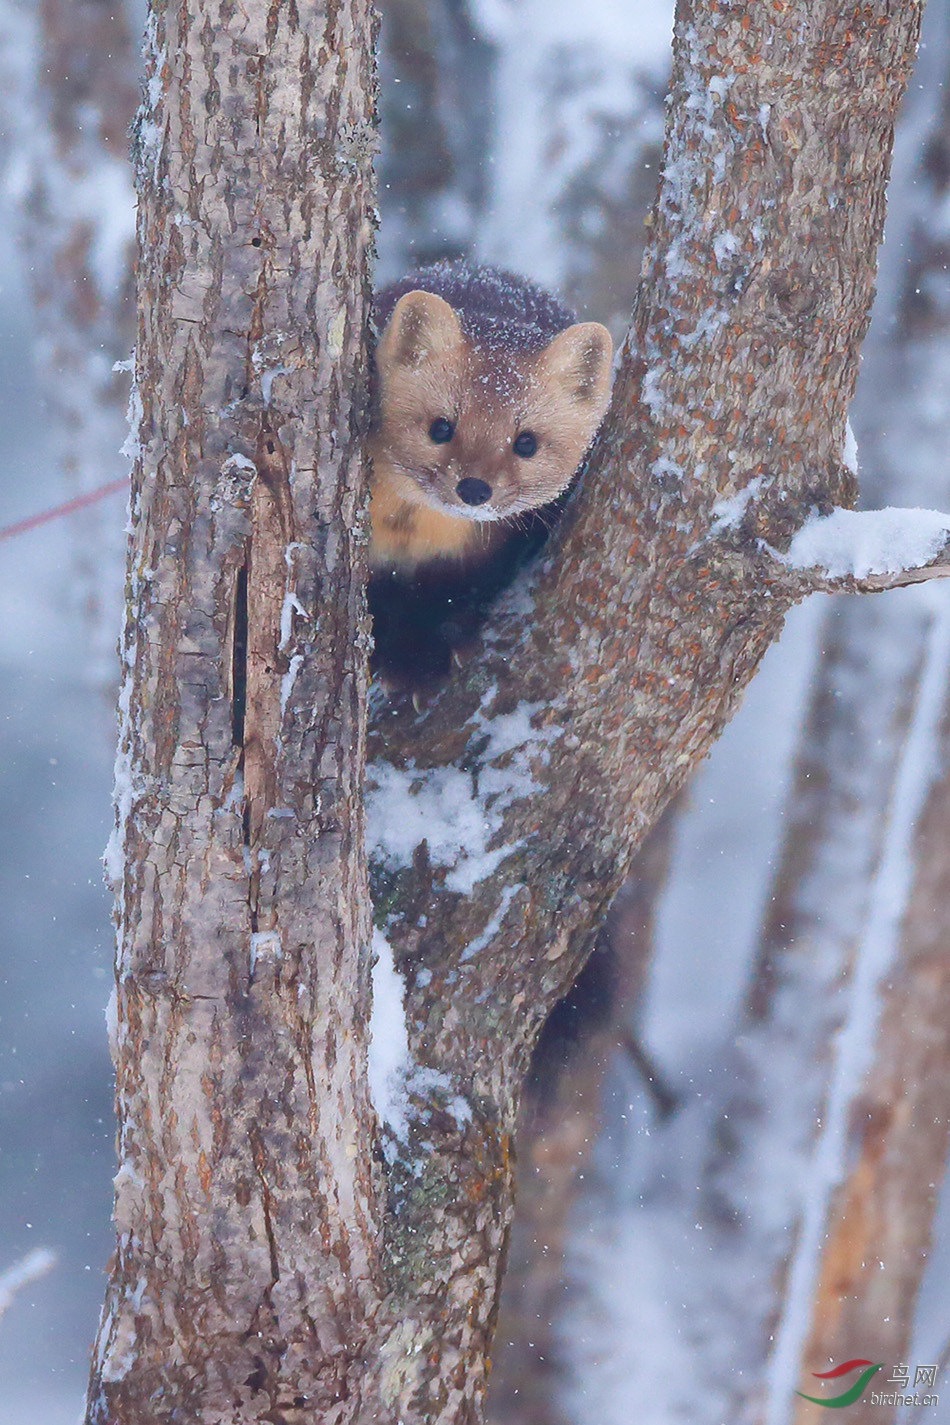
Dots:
{"x": 578, "y": 360}
{"x": 422, "y": 327}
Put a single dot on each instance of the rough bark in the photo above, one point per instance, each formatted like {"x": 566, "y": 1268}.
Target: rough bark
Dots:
{"x": 246, "y": 1268}
{"x": 586, "y": 709}
{"x": 248, "y": 1281}
{"x": 561, "y": 1118}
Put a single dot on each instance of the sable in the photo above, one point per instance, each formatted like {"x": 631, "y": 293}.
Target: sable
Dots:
{"x": 489, "y": 396}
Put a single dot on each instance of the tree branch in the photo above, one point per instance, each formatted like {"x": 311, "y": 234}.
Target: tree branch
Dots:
{"x": 247, "y": 1280}
{"x": 868, "y": 551}
{"x": 598, "y": 689}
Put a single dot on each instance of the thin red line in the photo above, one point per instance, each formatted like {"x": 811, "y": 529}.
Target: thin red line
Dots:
{"x": 89, "y": 498}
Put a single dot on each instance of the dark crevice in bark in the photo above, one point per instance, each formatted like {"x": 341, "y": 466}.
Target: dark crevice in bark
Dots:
{"x": 259, "y": 1160}
{"x": 239, "y": 658}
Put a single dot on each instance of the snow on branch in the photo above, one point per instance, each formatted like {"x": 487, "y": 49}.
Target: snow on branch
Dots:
{"x": 29, "y": 1269}
{"x": 866, "y": 551}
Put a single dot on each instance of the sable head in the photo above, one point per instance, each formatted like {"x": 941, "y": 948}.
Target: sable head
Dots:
{"x": 485, "y": 431}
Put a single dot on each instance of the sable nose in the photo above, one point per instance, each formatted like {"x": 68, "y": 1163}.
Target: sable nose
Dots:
{"x": 472, "y": 491}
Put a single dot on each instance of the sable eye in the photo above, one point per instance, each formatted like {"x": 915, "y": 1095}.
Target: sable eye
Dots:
{"x": 441, "y": 430}
{"x": 525, "y": 444}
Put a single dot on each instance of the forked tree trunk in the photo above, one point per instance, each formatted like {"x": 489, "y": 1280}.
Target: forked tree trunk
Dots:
{"x": 259, "y": 1275}
{"x": 579, "y": 719}
{"x": 590, "y": 220}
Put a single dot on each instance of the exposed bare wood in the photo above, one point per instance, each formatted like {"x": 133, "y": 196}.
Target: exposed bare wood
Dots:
{"x": 900, "y": 579}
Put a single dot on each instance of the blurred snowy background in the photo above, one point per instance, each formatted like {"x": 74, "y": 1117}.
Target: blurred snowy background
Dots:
{"x": 686, "y": 1252}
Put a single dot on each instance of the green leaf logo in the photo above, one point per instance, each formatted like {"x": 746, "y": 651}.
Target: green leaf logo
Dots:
{"x": 853, "y": 1393}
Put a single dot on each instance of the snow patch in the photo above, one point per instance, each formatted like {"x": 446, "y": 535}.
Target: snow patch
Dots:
{"x": 434, "y": 1084}
{"x": 288, "y": 608}
{"x": 112, "y": 1021}
{"x": 124, "y": 784}
{"x": 863, "y": 542}
{"x": 493, "y": 926}
{"x": 149, "y": 126}
{"x": 389, "y": 1060}
{"x": 269, "y": 376}
{"x": 131, "y": 447}
{"x": 651, "y": 392}
{"x": 239, "y": 462}
{"x": 849, "y": 453}
{"x": 288, "y": 680}
{"x": 724, "y": 245}
{"x": 406, "y": 806}
{"x": 265, "y": 943}
{"x": 457, "y": 813}
{"x": 728, "y": 512}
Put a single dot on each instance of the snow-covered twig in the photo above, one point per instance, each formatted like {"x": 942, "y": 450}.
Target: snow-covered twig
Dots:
{"x": 29, "y": 1269}
{"x": 867, "y": 551}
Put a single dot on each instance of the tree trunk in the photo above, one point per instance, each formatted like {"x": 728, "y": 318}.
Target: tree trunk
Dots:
{"x": 257, "y": 1275}
{"x": 246, "y": 1205}
{"x": 585, "y": 1037}
{"x": 589, "y": 703}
